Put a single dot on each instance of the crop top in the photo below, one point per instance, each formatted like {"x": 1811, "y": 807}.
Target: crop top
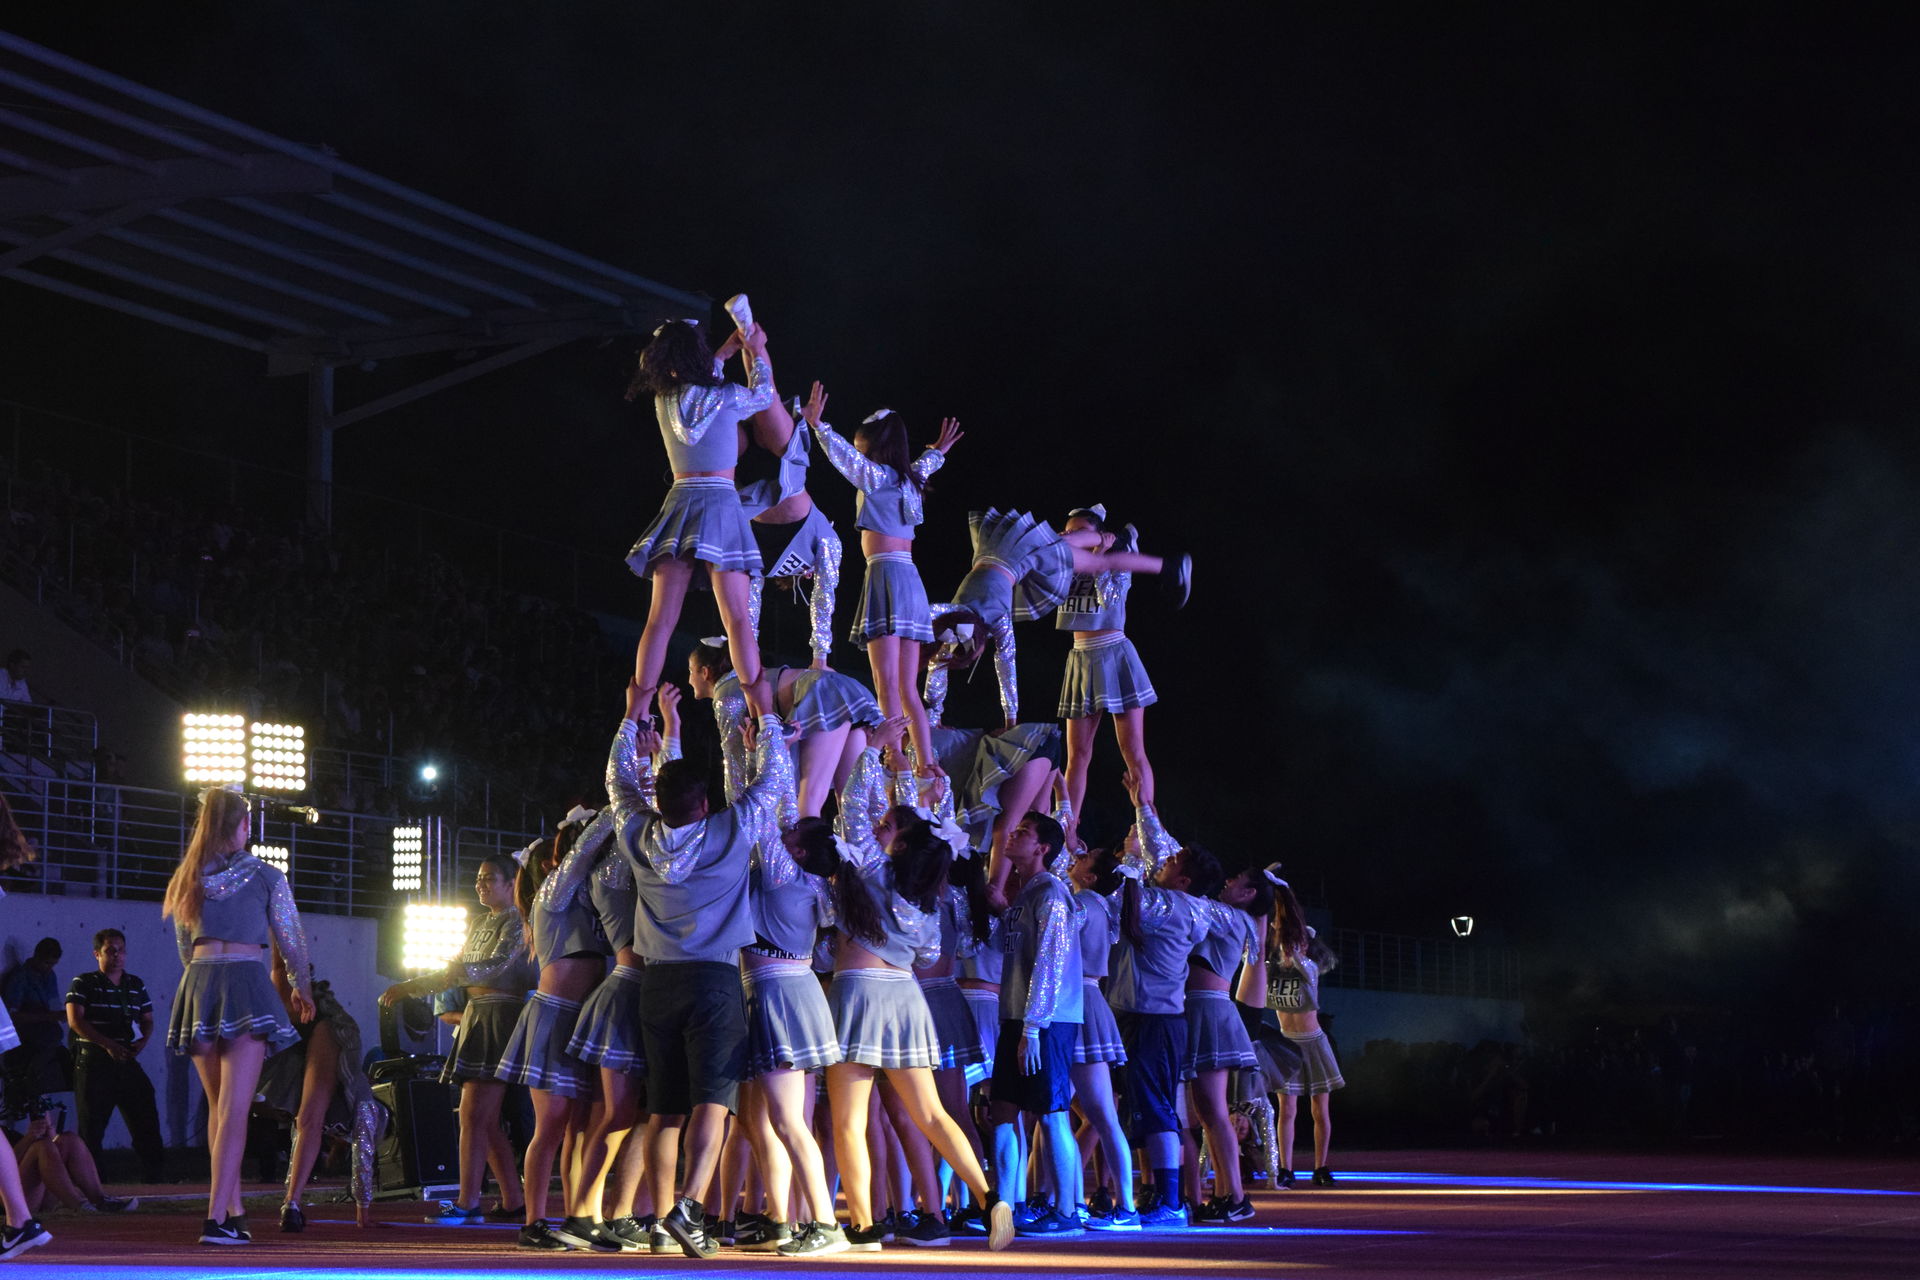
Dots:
{"x": 889, "y": 503}
{"x": 701, "y": 424}
{"x": 565, "y": 922}
{"x": 1293, "y": 985}
{"x": 247, "y": 900}
{"x": 910, "y": 937}
{"x": 1095, "y": 602}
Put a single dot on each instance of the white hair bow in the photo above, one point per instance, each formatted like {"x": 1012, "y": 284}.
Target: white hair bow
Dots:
{"x": 954, "y": 632}
{"x": 526, "y": 853}
{"x": 845, "y": 850}
{"x": 579, "y": 813}
{"x": 682, "y": 320}
{"x": 946, "y": 829}
{"x": 875, "y": 416}
{"x": 1272, "y": 872}
{"x": 1097, "y": 509}
{"x": 714, "y": 642}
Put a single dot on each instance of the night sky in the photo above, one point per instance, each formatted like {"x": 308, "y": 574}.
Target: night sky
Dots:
{"x": 1535, "y": 387}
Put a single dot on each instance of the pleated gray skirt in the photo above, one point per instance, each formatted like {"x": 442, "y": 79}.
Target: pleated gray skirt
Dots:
{"x": 1216, "y": 1038}
{"x": 893, "y": 601}
{"x": 1104, "y": 675}
{"x": 1319, "y": 1070}
{"x": 789, "y": 1024}
{"x": 882, "y": 1020}
{"x": 536, "y": 1052}
{"x": 607, "y": 1033}
{"x": 226, "y": 998}
{"x": 953, "y": 1023}
{"x": 701, "y": 519}
{"x": 485, "y": 1028}
{"x": 1099, "y": 1033}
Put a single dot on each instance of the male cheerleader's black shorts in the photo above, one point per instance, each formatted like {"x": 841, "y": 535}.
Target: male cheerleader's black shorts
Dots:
{"x": 1050, "y": 1088}
{"x": 693, "y": 1022}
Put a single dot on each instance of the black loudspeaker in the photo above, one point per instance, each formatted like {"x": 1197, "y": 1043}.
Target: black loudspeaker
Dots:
{"x": 422, "y": 1146}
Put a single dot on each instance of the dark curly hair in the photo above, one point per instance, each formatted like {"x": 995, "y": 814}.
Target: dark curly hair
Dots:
{"x": 677, "y": 357}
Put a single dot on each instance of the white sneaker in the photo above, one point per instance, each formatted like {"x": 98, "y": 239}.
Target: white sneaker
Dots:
{"x": 742, "y": 311}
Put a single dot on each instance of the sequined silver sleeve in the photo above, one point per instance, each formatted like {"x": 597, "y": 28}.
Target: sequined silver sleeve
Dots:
{"x": 629, "y": 777}
{"x": 283, "y": 919}
{"x": 772, "y": 789}
{"x": 826, "y": 584}
{"x": 936, "y": 694}
{"x": 756, "y": 589}
{"x": 1056, "y": 933}
{"x": 966, "y": 946}
{"x": 729, "y": 718}
{"x": 865, "y": 786}
{"x": 369, "y": 1118}
{"x": 927, "y": 463}
{"x": 1006, "y": 666}
{"x": 1156, "y": 846}
{"x": 861, "y": 471}
{"x": 183, "y": 938}
{"x": 570, "y": 877}
{"x": 1062, "y": 859}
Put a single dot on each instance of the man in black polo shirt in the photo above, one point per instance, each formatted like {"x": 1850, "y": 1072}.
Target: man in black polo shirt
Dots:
{"x": 112, "y": 1019}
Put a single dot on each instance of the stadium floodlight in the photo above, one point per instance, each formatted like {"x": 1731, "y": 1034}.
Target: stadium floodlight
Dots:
{"x": 213, "y": 749}
{"x": 409, "y": 859}
{"x": 278, "y": 753}
{"x": 275, "y": 855}
{"x": 1462, "y": 926}
{"x": 429, "y": 773}
{"x": 433, "y": 935}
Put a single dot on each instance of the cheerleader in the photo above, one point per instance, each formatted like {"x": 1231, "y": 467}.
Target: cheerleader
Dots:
{"x": 321, "y": 1085}
{"x": 492, "y": 969}
{"x": 23, "y": 1231}
{"x": 790, "y": 1031}
{"x": 226, "y": 905}
{"x": 1296, "y": 959}
{"x": 1100, "y": 1049}
{"x": 886, "y": 900}
{"x": 700, "y": 415}
{"x": 996, "y": 777}
{"x": 795, "y": 538}
{"x": 1103, "y": 675}
{"x": 893, "y": 621}
{"x": 826, "y": 707}
{"x": 1235, "y": 914}
{"x": 571, "y": 951}
{"x": 1022, "y": 569}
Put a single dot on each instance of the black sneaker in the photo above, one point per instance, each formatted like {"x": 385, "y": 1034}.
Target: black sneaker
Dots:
{"x": 499, "y": 1213}
{"x": 1238, "y": 1210}
{"x": 1211, "y": 1214}
{"x": 238, "y": 1222}
{"x": 1051, "y": 1223}
{"x": 865, "y": 1239}
{"x": 15, "y": 1241}
{"x": 585, "y": 1233}
{"x": 721, "y": 1230}
{"x": 970, "y": 1221}
{"x": 293, "y": 1219}
{"x": 686, "y": 1223}
{"x": 761, "y": 1237}
{"x": 1176, "y": 579}
{"x": 541, "y": 1238}
{"x": 814, "y": 1240}
{"x": 889, "y": 1227}
{"x": 210, "y": 1233}
{"x": 1323, "y": 1177}
{"x": 1101, "y": 1203}
{"x": 927, "y": 1230}
{"x": 630, "y": 1232}
{"x": 1285, "y": 1180}
{"x": 450, "y": 1214}
{"x": 658, "y": 1241}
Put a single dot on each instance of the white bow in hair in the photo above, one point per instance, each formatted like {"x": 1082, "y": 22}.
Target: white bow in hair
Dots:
{"x": 683, "y": 320}
{"x": 954, "y": 632}
{"x": 526, "y": 853}
{"x": 875, "y": 416}
{"x": 1272, "y": 872}
{"x": 1097, "y": 509}
{"x": 845, "y": 850}
{"x": 945, "y": 828}
{"x": 714, "y": 642}
{"x": 579, "y": 813}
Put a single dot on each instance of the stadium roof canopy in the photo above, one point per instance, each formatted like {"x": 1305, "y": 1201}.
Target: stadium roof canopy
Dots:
{"x": 117, "y": 195}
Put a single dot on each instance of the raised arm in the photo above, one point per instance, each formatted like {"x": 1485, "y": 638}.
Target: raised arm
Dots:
{"x": 772, "y": 788}
{"x": 570, "y": 876}
{"x": 629, "y": 767}
{"x": 826, "y": 582}
{"x": 936, "y": 455}
{"x": 730, "y": 722}
{"x": 936, "y": 693}
{"x": 861, "y": 472}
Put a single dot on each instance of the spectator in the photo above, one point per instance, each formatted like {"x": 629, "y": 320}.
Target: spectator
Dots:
{"x": 13, "y": 678}
{"x": 32, "y": 993}
{"x": 60, "y": 1163}
{"x": 112, "y": 1020}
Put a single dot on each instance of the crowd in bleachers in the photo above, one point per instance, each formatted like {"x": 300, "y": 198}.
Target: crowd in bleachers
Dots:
{"x": 373, "y": 649}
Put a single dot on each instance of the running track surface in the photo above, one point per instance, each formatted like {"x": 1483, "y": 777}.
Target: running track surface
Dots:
{"x": 1508, "y": 1214}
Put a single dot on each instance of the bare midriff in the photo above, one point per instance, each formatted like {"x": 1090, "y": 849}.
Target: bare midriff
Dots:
{"x": 871, "y": 542}
{"x": 791, "y": 511}
{"x": 572, "y": 977}
{"x": 207, "y": 948}
{"x": 1201, "y": 978}
{"x": 849, "y": 954}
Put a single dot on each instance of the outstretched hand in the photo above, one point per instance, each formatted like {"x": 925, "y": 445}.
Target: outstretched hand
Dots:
{"x": 950, "y": 434}
{"x": 887, "y": 734}
{"x": 816, "y": 405}
{"x": 668, "y": 700}
{"x": 756, "y": 339}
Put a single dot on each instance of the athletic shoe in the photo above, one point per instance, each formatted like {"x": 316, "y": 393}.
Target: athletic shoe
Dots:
{"x": 686, "y": 1223}
{"x": 970, "y": 1221}
{"x": 1101, "y": 1203}
{"x": 452, "y": 1215}
{"x": 1211, "y": 1214}
{"x": 628, "y": 1233}
{"x": 499, "y": 1213}
{"x": 658, "y": 1241}
{"x": 889, "y": 1226}
{"x": 1238, "y": 1210}
{"x": 865, "y": 1239}
{"x": 1051, "y": 1223}
{"x": 1161, "y": 1216}
{"x": 927, "y": 1230}
{"x": 741, "y": 310}
{"x": 815, "y": 1240}
{"x": 999, "y": 1225}
{"x": 1285, "y": 1181}
{"x": 210, "y": 1233}
{"x": 293, "y": 1219}
{"x": 31, "y": 1235}
{"x": 237, "y": 1222}
{"x": 585, "y": 1233}
{"x": 1323, "y": 1177}
{"x": 756, "y": 1237}
{"x": 1028, "y": 1212}
{"x": 1118, "y": 1220}
{"x": 540, "y": 1237}
{"x": 1176, "y": 580}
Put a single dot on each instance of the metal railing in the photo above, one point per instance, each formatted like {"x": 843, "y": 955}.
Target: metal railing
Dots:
{"x": 106, "y": 841}
{"x": 1421, "y": 966}
{"x": 63, "y": 739}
